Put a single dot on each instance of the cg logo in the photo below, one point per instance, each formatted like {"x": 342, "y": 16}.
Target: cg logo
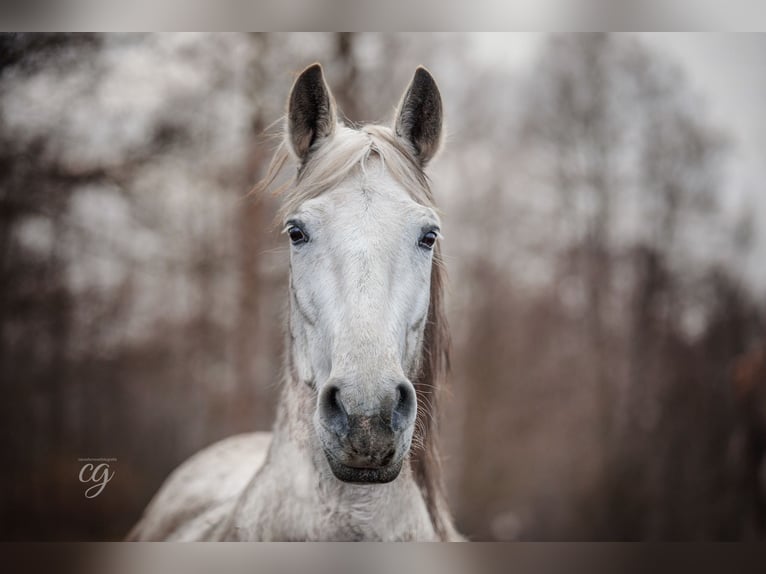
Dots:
{"x": 99, "y": 474}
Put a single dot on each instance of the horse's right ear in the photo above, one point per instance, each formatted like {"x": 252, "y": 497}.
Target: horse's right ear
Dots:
{"x": 419, "y": 116}
{"x": 311, "y": 114}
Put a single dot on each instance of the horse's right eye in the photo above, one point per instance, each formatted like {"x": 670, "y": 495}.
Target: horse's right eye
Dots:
{"x": 297, "y": 235}
{"x": 428, "y": 240}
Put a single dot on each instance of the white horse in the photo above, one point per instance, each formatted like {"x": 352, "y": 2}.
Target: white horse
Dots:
{"x": 353, "y": 452}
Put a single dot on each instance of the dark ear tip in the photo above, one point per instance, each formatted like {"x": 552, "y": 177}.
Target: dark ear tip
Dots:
{"x": 312, "y": 72}
{"x": 422, "y": 74}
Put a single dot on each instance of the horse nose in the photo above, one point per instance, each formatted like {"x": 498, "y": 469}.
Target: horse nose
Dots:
{"x": 366, "y": 425}
{"x": 345, "y": 407}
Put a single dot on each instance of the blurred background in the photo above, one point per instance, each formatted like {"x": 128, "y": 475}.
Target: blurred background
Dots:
{"x": 605, "y": 238}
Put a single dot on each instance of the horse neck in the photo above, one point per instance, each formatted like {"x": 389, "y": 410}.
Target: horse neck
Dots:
{"x": 294, "y": 413}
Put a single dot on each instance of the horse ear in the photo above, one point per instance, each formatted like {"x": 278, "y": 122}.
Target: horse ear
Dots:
{"x": 311, "y": 114}
{"x": 419, "y": 116}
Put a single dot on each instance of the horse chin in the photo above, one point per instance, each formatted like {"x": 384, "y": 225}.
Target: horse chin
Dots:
{"x": 355, "y": 475}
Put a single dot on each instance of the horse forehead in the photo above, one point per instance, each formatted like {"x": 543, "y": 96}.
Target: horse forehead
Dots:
{"x": 378, "y": 201}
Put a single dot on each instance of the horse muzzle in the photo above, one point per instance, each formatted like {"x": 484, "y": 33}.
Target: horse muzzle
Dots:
{"x": 363, "y": 474}
{"x": 365, "y": 441}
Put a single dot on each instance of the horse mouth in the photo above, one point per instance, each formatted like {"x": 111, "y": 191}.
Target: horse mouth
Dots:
{"x": 363, "y": 475}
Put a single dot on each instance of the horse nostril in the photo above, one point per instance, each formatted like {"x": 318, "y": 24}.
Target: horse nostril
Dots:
{"x": 404, "y": 406}
{"x": 387, "y": 457}
{"x": 332, "y": 411}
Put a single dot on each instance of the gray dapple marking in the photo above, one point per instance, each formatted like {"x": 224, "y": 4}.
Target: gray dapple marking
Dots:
{"x": 353, "y": 452}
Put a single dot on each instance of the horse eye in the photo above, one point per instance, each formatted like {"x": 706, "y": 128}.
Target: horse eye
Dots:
{"x": 297, "y": 235}
{"x": 428, "y": 240}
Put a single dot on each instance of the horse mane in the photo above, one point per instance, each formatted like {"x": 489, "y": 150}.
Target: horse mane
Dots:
{"x": 326, "y": 167}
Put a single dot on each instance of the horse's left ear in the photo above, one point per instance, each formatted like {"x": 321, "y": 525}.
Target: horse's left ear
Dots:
{"x": 419, "y": 116}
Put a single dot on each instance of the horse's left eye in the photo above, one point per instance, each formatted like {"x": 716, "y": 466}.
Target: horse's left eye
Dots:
{"x": 428, "y": 240}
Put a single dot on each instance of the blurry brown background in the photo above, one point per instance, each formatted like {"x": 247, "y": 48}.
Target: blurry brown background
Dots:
{"x": 604, "y": 214}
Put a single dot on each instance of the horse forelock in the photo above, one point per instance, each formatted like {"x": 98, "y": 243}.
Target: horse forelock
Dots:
{"x": 335, "y": 160}
{"x": 346, "y": 152}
